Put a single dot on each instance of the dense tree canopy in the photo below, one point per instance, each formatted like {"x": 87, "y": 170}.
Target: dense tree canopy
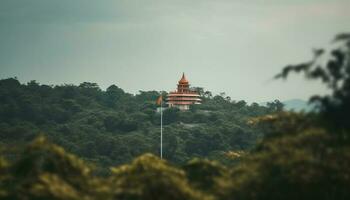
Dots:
{"x": 112, "y": 127}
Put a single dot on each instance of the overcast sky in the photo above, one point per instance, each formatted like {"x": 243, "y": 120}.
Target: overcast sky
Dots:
{"x": 224, "y": 46}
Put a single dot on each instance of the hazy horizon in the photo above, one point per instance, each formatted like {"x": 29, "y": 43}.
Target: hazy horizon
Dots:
{"x": 234, "y": 47}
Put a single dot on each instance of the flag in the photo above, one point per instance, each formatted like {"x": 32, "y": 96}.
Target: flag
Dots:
{"x": 159, "y": 100}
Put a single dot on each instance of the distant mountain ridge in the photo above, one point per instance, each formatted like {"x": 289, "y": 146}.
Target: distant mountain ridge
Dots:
{"x": 296, "y": 105}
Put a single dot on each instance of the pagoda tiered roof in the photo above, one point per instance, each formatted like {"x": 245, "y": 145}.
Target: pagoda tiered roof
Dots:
{"x": 183, "y": 94}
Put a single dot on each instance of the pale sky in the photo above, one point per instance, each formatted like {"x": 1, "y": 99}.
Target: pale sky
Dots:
{"x": 227, "y": 46}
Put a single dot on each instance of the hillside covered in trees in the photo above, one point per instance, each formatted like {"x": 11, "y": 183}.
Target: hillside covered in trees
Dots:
{"x": 112, "y": 127}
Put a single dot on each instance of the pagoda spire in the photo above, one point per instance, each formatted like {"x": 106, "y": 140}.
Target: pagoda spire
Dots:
{"x": 183, "y": 79}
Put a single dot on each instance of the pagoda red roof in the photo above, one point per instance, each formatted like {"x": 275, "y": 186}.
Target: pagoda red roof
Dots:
{"x": 193, "y": 94}
{"x": 183, "y": 80}
{"x": 183, "y": 99}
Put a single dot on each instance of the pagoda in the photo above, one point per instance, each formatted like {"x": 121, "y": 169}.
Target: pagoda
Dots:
{"x": 183, "y": 97}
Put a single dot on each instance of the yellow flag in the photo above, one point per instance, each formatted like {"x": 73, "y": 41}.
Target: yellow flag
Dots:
{"x": 159, "y": 100}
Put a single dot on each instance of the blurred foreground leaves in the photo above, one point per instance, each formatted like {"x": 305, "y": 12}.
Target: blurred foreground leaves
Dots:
{"x": 308, "y": 164}
{"x": 148, "y": 177}
{"x": 303, "y": 161}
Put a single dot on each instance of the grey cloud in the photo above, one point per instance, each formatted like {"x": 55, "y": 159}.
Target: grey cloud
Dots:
{"x": 225, "y": 45}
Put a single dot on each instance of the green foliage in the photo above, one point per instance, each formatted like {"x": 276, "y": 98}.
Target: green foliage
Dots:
{"x": 310, "y": 164}
{"x": 112, "y": 127}
{"x": 335, "y": 74}
{"x": 45, "y": 171}
{"x": 302, "y": 156}
{"x": 206, "y": 175}
{"x": 148, "y": 177}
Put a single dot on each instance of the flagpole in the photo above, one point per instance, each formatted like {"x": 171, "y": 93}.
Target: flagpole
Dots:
{"x": 161, "y": 129}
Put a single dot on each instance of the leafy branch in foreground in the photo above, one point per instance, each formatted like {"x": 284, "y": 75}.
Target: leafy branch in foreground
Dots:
{"x": 335, "y": 74}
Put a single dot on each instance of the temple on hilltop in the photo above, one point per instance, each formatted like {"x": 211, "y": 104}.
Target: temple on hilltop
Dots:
{"x": 183, "y": 97}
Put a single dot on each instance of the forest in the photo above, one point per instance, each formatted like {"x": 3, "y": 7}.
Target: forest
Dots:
{"x": 80, "y": 142}
{"x": 112, "y": 127}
